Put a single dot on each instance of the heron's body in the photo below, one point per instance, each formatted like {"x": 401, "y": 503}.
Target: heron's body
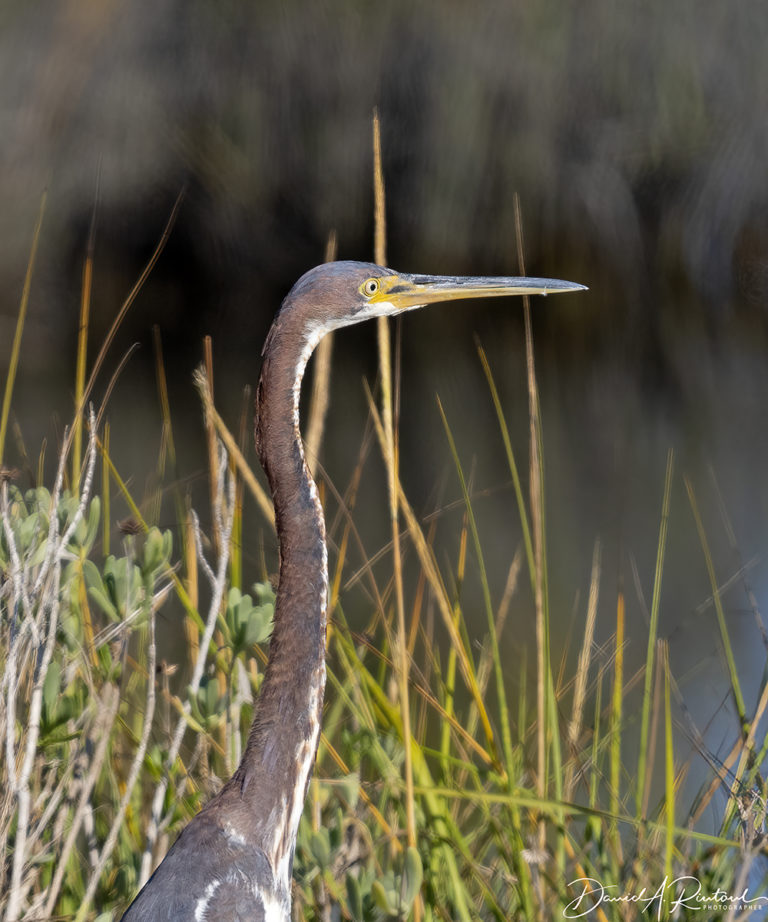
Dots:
{"x": 233, "y": 862}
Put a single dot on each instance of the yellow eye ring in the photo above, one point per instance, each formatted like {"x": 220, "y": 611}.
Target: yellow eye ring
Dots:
{"x": 370, "y": 287}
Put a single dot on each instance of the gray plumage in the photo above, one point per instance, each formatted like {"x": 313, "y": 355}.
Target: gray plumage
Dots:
{"x": 237, "y": 884}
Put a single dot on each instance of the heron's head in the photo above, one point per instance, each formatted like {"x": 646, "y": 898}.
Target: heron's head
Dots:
{"x": 339, "y": 294}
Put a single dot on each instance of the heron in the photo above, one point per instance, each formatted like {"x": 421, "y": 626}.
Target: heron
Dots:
{"x": 233, "y": 861}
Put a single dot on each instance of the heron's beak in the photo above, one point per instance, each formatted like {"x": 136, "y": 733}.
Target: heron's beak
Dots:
{"x": 406, "y": 291}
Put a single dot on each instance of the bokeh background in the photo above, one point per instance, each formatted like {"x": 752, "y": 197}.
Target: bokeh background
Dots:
{"x": 636, "y": 138}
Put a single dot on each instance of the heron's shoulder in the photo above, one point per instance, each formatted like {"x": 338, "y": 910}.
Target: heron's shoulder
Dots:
{"x": 227, "y": 895}
{"x": 218, "y": 831}
{"x": 211, "y": 872}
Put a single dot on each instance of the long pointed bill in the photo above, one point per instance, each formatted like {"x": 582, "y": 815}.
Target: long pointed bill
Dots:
{"x": 407, "y": 291}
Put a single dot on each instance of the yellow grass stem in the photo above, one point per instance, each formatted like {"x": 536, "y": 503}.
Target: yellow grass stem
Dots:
{"x": 536, "y": 488}
{"x": 82, "y": 350}
{"x": 582, "y": 671}
{"x": 654, "y": 728}
{"x": 379, "y": 197}
{"x": 449, "y": 679}
{"x": 594, "y": 775}
{"x": 236, "y": 539}
{"x": 548, "y": 736}
{"x": 616, "y": 715}
{"x": 40, "y": 475}
{"x": 391, "y": 460}
{"x": 162, "y": 391}
{"x": 13, "y": 363}
{"x": 669, "y": 766}
{"x": 642, "y": 763}
{"x": 320, "y": 396}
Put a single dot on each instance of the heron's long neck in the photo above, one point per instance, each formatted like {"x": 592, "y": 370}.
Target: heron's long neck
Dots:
{"x": 278, "y": 761}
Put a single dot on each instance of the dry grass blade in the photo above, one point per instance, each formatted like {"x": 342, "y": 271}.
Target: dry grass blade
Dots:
{"x": 162, "y": 390}
{"x": 390, "y": 451}
{"x": 669, "y": 765}
{"x": 16, "y": 347}
{"x": 319, "y": 400}
{"x": 112, "y": 382}
{"x": 126, "y": 306}
{"x": 379, "y": 197}
{"x": 82, "y": 341}
{"x": 257, "y": 491}
{"x": 236, "y": 554}
{"x": 548, "y": 733}
{"x": 582, "y": 673}
{"x": 210, "y": 438}
{"x": 537, "y": 524}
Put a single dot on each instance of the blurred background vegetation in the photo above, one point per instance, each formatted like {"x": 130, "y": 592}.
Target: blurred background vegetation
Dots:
{"x": 634, "y": 135}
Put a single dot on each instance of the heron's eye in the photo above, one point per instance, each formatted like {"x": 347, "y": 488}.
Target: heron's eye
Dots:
{"x": 370, "y": 287}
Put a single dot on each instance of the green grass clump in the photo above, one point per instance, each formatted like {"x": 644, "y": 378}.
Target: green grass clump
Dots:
{"x": 446, "y": 786}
